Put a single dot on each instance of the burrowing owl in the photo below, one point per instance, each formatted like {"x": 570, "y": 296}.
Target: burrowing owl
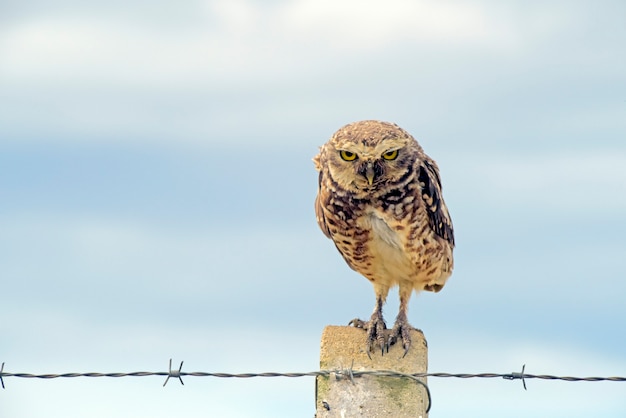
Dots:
{"x": 380, "y": 201}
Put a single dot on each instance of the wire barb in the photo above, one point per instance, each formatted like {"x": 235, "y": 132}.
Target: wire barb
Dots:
{"x": 174, "y": 373}
{"x": 2, "y": 374}
{"x": 350, "y": 374}
{"x": 346, "y": 373}
{"x": 514, "y": 376}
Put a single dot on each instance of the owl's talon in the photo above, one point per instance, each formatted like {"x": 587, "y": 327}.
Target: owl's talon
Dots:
{"x": 376, "y": 335}
{"x": 406, "y": 350}
{"x": 401, "y": 329}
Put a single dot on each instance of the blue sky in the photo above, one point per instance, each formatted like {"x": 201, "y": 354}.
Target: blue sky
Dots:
{"x": 156, "y": 197}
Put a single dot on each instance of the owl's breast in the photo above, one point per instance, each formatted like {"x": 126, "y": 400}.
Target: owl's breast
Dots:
{"x": 395, "y": 252}
{"x": 388, "y": 257}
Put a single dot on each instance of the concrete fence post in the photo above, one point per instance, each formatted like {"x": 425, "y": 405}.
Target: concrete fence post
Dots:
{"x": 343, "y": 347}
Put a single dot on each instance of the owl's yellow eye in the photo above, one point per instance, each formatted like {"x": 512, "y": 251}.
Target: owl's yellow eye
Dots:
{"x": 391, "y": 155}
{"x": 347, "y": 155}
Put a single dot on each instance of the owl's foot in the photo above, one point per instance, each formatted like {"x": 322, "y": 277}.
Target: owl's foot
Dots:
{"x": 401, "y": 329}
{"x": 375, "y": 328}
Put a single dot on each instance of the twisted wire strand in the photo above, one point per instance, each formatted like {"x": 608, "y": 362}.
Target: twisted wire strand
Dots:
{"x": 355, "y": 373}
{"x": 338, "y": 373}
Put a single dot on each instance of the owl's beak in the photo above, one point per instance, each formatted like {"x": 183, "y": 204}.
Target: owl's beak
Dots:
{"x": 369, "y": 173}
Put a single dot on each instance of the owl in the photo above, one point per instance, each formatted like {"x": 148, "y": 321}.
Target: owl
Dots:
{"x": 379, "y": 200}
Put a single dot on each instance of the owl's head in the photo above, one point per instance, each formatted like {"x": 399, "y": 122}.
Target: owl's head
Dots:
{"x": 363, "y": 156}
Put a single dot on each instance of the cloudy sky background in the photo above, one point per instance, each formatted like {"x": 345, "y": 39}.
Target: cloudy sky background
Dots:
{"x": 156, "y": 195}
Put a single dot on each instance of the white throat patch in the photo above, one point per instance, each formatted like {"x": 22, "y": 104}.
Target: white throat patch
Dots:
{"x": 384, "y": 232}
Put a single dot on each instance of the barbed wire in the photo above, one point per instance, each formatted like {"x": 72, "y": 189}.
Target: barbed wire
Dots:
{"x": 348, "y": 373}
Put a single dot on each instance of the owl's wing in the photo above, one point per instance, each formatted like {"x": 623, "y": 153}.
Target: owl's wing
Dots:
{"x": 438, "y": 216}
{"x": 319, "y": 210}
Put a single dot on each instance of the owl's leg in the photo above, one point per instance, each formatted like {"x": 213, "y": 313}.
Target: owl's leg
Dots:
{"x": 401, "y": 327}
{"x": 376, "y": 326}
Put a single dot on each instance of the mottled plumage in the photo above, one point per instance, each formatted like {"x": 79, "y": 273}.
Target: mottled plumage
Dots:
{"x": 380, "y": 201}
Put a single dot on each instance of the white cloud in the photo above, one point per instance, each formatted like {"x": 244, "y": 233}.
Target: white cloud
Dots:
{"x": 238, "y": 40}
{"x": 373, "y": 24}
{"x": 76, "y": 51}
{"x": 217, "y": 69}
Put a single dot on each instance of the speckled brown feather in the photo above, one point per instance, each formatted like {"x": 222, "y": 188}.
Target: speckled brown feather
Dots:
{"x": 396, "y": 230}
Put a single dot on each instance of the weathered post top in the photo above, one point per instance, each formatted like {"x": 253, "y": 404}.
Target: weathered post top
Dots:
{"x": 343, "y": 347}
